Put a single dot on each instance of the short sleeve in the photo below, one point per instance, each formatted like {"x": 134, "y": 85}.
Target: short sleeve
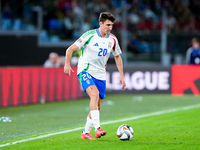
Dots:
{"x": 116, "y": 50}
{"x": 83, "y": 39}
{"x": 188, "y": 55}
{"x": 80, "y": 42}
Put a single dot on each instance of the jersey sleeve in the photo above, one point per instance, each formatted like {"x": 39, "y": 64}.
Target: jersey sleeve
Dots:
{"x": 116, "y": 50}
{"x": 188, "y": 55}
{"x": 80, "y": 42}
{"x": 84, "y": 38}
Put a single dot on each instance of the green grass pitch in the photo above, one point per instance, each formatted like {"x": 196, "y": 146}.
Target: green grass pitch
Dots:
{"x": 174, "y": 131}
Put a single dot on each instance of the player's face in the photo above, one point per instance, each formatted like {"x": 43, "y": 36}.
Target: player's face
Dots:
{"x": 53, "y": 59}
{"x": 195, "y": 45}
{"x": 106, "y": 27}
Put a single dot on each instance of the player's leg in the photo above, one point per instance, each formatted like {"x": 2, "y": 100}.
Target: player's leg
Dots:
{"x": 95, "y": 105}
{"x": 93, "y": 93}
{"x": 101, "y": 85}
{"x": 94, "y": 99}
{"x": 99, "y": 132}
{"x": 88, "y": 127}
{"x": 89, "y": 86}
{"x": 89, "y": 123}
{"x": 93, "y": 116}
{"x": 99, "y": 103}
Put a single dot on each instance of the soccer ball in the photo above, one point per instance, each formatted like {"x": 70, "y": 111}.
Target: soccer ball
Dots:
{"x": 125, "y": 132}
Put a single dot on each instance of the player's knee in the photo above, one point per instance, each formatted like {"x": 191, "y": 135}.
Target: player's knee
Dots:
{"x": 95, "y": 95}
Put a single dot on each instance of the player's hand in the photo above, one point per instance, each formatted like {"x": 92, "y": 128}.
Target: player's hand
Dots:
{"x": 68, "y": 70}
{"x": 121, "y": 80}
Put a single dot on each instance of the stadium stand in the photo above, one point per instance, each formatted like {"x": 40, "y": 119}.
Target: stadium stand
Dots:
{"x": 69, "y": 19}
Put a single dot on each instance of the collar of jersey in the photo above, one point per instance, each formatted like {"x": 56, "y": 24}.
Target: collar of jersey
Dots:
{"x": 98, "y": 33}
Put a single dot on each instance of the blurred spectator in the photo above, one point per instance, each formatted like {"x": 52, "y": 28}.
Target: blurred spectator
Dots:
{"x": 197, "y": 23}
{"x": 68, "y": 23}
{"x": 142, "y": 26}
{"x": 150, "y": 24}
{"x": 27, "y": 11}
{"x": 78, "y": 10}
{"x": 180, "y": 24}
{"x": 45, "y": 6}
{"x": 137, "y": 44}
{"x": 69, "y": 19}
{"x": 6, "y": 11}
{"x": 54, "y": 61}
{"x": 156, "y": 6}
{"x": 134, "y": 16}
{"x": 171, "y": 22}
{"x": 133, "y": 19}
{"x": 65, "y": 5}
{"x": 133, "y": 44}
{"x": 76, "y": 27}
{"x": 74, "y": 13}
{"x": 184, "y": 2}
{"x": 193, "y": 53}
{"x": 85, "y": 26}
{"x": 148, "y": 13}
{"x": 143, "y": 46}
{"x": 191, "y": 24}
{"x": 117, "y": 28}
{"x": 195, "y": 6}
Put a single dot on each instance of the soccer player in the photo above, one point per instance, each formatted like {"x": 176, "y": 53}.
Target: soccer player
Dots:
{"x": 96, "y": 46}
{"x": 193, "y": 53}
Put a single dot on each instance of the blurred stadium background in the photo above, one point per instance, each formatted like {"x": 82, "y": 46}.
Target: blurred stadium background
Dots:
{"x": 154, "y": 36}
{"x": 149, "y": 31}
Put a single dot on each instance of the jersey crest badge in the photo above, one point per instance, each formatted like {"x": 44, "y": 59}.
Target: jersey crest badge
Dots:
{"x": 88, "y": 81}
{"x": 109, "y": 44}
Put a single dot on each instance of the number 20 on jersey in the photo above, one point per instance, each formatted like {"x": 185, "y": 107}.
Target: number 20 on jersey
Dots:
{"x": 102, "y": 52}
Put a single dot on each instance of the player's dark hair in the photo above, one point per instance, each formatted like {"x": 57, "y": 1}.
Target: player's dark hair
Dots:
{"x": 106, "y": 16}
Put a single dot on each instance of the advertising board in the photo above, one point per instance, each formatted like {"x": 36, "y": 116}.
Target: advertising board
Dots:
{"x": 140, "y": 80}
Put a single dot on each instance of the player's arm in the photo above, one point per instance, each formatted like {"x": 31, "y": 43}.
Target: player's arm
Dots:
{"x": 69, "y": 52}
{"x": 188, "y": 56}
{"x": 119, "y": 64}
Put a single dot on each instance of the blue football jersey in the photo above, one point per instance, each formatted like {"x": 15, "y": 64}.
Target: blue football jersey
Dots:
{"x": 195, "y": 56}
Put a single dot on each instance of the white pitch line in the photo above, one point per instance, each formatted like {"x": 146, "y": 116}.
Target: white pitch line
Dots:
{"x": 109, "y": 122}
